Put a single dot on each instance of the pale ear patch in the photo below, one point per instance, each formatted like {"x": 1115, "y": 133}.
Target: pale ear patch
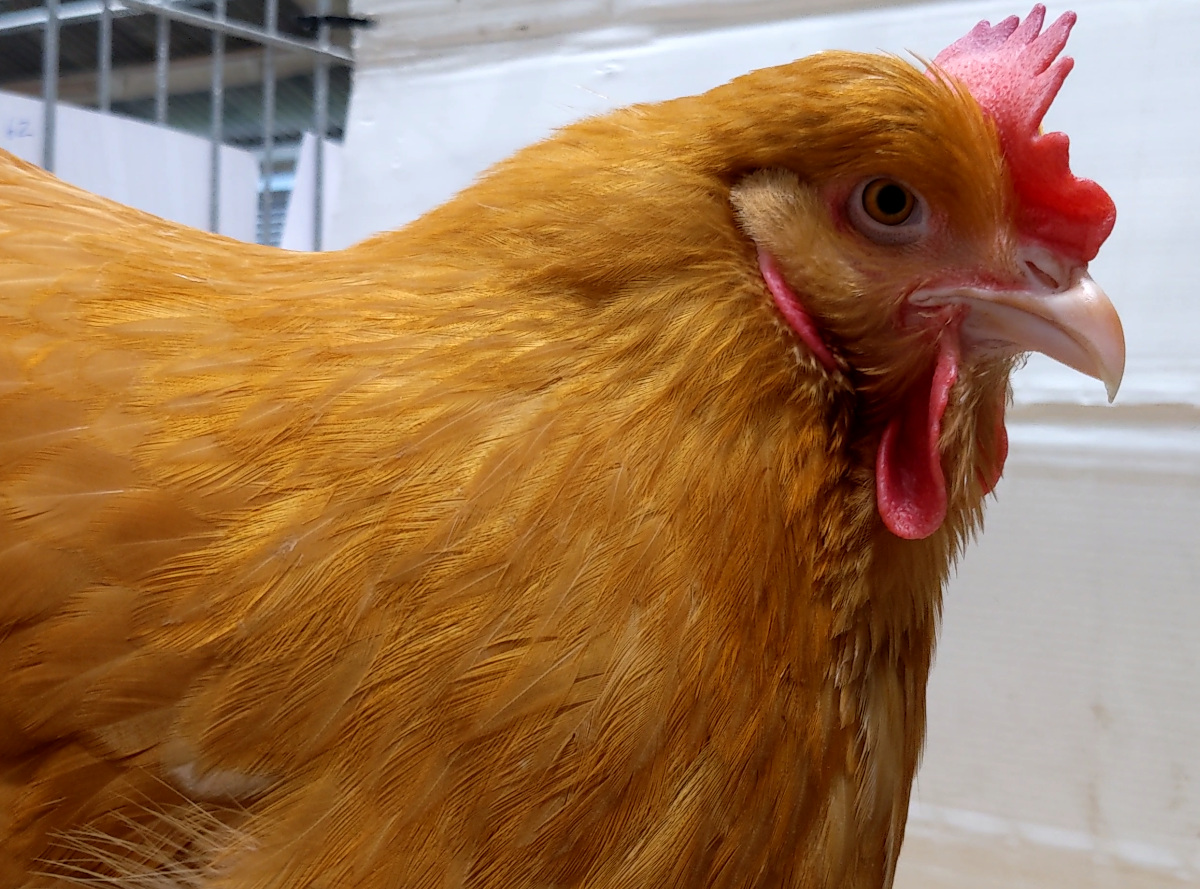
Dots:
{"x": 775, "y": 211}
{"x": 789, "y": 219}
{"x": 765, "y": 203}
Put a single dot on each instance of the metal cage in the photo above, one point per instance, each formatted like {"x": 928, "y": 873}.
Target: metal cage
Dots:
{"x": 304, "y": 46}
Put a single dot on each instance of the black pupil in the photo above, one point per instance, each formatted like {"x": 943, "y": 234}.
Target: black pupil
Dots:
{"x": 891, "y": 200}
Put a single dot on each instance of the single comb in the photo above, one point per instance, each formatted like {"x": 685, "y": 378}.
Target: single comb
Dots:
{"x": 1013, "y": 70}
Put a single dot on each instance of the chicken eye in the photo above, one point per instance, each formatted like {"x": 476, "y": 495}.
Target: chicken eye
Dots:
{"x": 887, "y": 211}
{"x": 888, "y": 202}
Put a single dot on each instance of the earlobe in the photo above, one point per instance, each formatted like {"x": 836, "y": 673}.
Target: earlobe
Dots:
{"x": 764, "y": 201}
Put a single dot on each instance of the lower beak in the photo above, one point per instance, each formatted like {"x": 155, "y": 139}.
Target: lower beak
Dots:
{"x": 1060, "y": 312}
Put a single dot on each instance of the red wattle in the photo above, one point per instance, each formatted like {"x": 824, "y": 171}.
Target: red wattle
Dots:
{"x": 910, "y": 487}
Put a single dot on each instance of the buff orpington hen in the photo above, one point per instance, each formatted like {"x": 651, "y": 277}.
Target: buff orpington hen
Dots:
{"x": 590, "y": 531}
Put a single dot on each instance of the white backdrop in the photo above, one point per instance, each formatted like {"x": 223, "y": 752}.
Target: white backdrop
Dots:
{"x": 161, "y": 171}
{"x": 298, "y": 229}
{"x": 1065, "y": 707}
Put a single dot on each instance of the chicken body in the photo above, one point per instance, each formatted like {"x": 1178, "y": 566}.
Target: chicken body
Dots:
{"x": 527, "y": 546}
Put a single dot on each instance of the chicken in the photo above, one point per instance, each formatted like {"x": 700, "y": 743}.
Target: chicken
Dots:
{"x": 589, "y": 531}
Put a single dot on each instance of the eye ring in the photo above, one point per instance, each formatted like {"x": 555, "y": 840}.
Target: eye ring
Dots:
{"x": 887, "y": 211}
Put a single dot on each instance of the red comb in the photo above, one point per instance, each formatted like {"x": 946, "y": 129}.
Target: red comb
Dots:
{"x": 1014, "y": 73}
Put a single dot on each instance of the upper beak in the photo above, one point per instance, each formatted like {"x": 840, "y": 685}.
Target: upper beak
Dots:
{"x": 1060, "y": 311}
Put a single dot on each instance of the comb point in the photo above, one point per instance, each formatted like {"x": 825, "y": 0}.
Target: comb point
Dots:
{"x": 1014, "y": 71}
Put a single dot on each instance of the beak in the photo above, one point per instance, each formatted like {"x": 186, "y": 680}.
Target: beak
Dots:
{"x": 1060, "y": 311}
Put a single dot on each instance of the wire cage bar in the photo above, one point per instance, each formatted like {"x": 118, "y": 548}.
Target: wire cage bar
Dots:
{"x": 217, "y": 123}
{"x": 320, "y": 51}
{"x": 50, "y": 83}
{"x": 104, "y": 59}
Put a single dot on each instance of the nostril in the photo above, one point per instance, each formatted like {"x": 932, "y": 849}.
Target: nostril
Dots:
{"x": 1043, "y": 276}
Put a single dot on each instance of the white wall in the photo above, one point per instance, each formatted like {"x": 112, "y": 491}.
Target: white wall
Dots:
{"x": 161, "y": 171}
{"x": 299, "y": 232}
{"x": 1065, "y": 704}
{"x": 1064, "y": 744}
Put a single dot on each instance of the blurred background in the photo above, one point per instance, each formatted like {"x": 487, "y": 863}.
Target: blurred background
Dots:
{"x": 1064, "y": 737}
